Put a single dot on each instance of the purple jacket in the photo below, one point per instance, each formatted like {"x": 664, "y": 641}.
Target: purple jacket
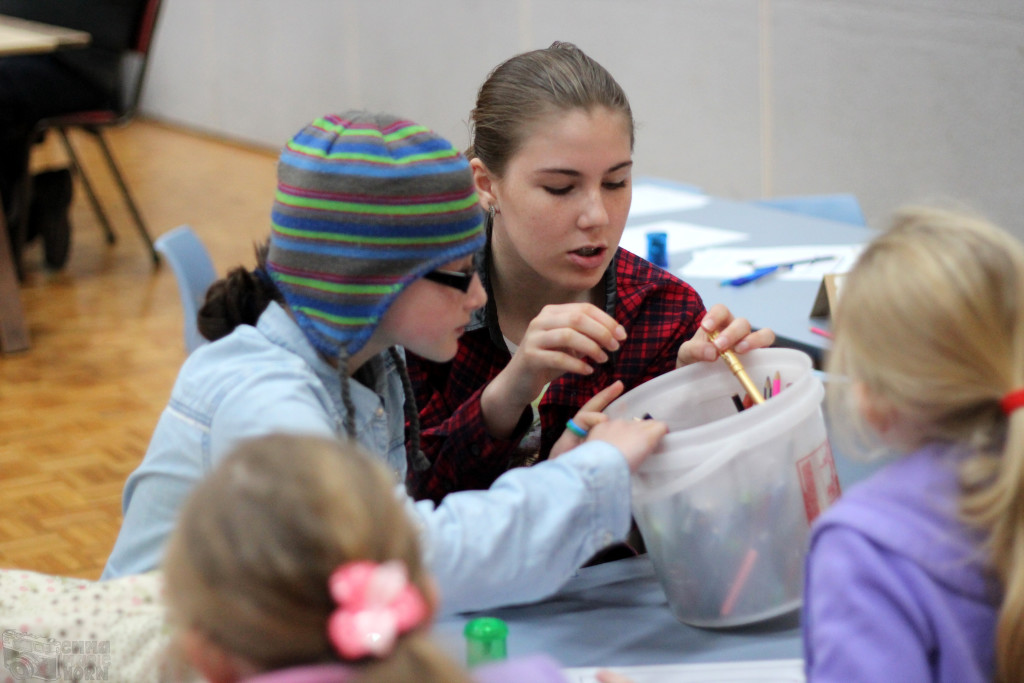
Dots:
{"x": 535, "y": 669}
{"x": 896, "y": 587}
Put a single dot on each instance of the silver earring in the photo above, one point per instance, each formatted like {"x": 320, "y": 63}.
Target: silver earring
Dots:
{"x": 489, "y": 223}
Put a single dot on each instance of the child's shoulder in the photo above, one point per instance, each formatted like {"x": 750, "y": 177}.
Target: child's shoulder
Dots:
{"x": 276, "y": 349}
{"x": 923, "y": 481}
{"x": 640, "y": 286}
{"x": 907, "y": 509}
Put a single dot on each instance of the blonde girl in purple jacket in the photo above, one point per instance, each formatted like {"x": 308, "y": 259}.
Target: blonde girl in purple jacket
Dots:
{"x": 917, "y": 574}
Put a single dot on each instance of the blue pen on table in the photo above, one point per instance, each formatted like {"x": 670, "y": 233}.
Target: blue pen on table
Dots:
{"x": 762, "y": 271}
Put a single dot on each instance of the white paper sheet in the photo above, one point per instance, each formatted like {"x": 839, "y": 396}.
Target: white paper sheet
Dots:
{"x": 680, "y": 237}
{"x": 762, "y": 671}
{"x": 650, "y": 199}
{"x": 730, "y": 262}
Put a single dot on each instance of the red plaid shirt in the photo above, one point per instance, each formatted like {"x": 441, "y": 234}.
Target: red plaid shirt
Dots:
{"x": 658, "y": 311}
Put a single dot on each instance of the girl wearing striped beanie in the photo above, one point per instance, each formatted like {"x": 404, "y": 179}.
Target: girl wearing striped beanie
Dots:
{"x": 367, "y": 204}
{"x": 374, "y": 230}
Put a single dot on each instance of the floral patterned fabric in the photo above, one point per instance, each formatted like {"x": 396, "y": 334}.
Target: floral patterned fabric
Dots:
{"x": 65, "y": 629}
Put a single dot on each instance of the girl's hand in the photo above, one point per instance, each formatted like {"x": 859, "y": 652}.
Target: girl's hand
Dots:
{"x": 588, "y": 417}
{"x": 637, "y": 439}
{"x": 562, "y": 338}
{"x": 606, "y": 676}
{"x": 733, "y": 333}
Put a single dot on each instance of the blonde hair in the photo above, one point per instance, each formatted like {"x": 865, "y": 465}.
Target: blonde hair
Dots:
{"x": 530, "y": 85}
{"x": 931, "y": 322}
{"x": 249, "y": 561}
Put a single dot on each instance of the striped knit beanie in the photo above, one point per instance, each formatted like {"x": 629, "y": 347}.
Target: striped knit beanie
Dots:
{"x": 366, "y": 204}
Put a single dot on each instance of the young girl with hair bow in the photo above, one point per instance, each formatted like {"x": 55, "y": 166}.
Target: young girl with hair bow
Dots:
{"x": 307, "y": 570}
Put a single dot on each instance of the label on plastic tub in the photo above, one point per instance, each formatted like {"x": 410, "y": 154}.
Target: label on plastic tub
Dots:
{"x": 819, "y": 480}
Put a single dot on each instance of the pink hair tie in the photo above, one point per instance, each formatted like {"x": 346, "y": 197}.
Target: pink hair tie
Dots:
{"x": 376, "y": 604}
{"x": 1012, "y": 401}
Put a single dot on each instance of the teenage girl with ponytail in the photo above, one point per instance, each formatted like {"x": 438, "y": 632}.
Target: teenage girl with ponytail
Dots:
{"x": 917, "y": 574}
{"x": 568, "y": 312}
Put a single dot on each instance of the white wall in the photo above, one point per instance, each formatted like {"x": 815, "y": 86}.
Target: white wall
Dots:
{"x": 893, "y": 100}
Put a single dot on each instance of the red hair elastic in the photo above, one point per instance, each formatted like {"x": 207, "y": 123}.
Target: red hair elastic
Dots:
{"x": 1012, "y": 401}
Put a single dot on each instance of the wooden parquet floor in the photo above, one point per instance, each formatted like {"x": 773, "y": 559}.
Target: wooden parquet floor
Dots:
{"x": 77, "y": 409}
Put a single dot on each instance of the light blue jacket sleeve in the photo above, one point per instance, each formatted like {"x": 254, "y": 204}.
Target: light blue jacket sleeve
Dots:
{"x": 188, "y": 443}
{"x": 516, "y": 542}
{"x": 523, "y": 538}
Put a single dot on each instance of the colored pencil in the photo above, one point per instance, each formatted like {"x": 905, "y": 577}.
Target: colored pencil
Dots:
{"x": 737, "y": 585}
{"x": 737, "y": 369}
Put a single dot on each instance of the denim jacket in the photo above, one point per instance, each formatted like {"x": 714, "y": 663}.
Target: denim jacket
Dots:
{"x": 516, "y": 542}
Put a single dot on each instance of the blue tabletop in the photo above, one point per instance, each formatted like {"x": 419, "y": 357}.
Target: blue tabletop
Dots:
{"x": 616, "y": 614}
{"x": 781, "y": 304}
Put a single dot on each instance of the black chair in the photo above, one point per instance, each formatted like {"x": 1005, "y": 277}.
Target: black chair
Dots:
{"x": 94, "y": 122}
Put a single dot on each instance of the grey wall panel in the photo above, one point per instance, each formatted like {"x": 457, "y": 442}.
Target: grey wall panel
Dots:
{"x": 897, "y": 107}
{"x": 426, "y": 60}
{"x": 690, "y": 70}
{"x": 892, "y": 99}
{"x": 245, "y": 68}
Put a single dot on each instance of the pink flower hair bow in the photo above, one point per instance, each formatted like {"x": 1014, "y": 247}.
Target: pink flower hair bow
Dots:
{"x": 376, "y": 603}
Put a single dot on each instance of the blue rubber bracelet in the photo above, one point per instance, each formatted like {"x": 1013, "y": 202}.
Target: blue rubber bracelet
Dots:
{"x": 576, "y": 429}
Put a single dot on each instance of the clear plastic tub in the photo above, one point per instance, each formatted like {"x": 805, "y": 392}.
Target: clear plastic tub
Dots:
{"x": 725, "y": 503}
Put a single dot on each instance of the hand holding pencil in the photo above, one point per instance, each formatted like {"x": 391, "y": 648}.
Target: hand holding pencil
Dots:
{"x": 741, "y": 374}
{"x": 731, "y": 334}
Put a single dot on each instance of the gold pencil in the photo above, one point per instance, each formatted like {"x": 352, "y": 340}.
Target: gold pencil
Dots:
{"x": 737, "y": 369}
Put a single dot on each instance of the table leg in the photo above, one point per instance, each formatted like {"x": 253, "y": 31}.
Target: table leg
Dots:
{"x": 13, "y": 330}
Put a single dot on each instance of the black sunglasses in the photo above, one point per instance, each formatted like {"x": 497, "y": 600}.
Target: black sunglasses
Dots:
{"x": 452, "y": 278}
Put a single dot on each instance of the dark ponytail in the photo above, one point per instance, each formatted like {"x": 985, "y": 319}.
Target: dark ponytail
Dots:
{"x": 238, "y": 299}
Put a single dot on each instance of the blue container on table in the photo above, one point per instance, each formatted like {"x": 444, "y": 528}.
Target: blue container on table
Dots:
{"x": 657, "y": 248}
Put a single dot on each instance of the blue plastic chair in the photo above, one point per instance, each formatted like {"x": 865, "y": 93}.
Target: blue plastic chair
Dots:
{"x": 843, "y": 208}
{"x": 194, "y": 273}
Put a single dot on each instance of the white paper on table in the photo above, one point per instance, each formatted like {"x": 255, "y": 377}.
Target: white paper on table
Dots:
{"x": 680, "y": 237}
{"x": 650, "y": 199}
{"x": 730, "y": 262}
{"x": 763, "y": 671}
